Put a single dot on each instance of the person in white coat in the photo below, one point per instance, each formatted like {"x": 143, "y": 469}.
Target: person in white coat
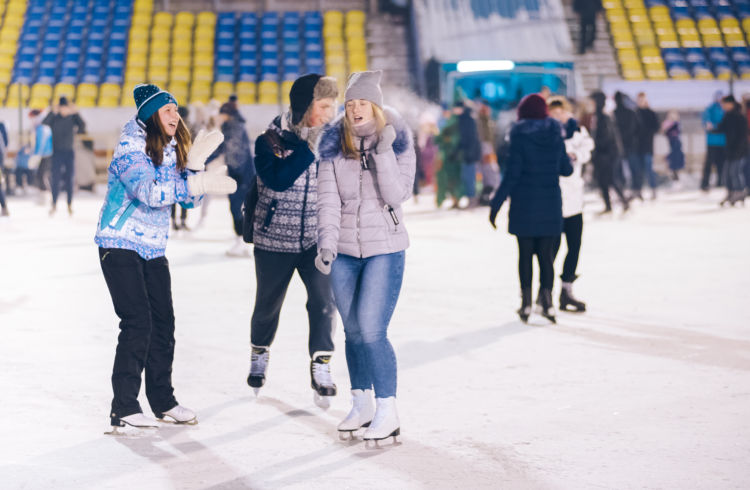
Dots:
{"x": 579, "y": 146}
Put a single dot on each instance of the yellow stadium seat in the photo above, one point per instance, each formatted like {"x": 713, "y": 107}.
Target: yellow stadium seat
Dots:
{"x": 65, "y": 89}
{"x": 180, "y": 91}
{"x": 268, "y": 92}
{"x": 205, "y": 32}
{"x": 203, "y": 74}
{"x": 86, "y": 95}
{"x": 746, "y": 24}
{"x": 41, "y": 90}
{"x": 5, "y": 77}
{"x": 159, "y": 37}
{"x": 333, "y": 17}
{"x": 246, "y": 92}
{"x": 332, "y": 31}
{"x": 617, "y": 16}
{"x": 8, "y": 48}
{"x": 184, "y": 19}
{"x": 109, "y": 102}
{"x": 334, "y": 43}
{"x": 638, "y": 15}
{"x": 159, "y": 77}
{"x": 735, "y": 40}
{"x": 200, "y": 92}
{"x": 355, "y": 17}
{"x": 110, "y": 90}
{"x": 206, "y": 19}
{"x": 703, "y": 74}
{"x": 180, "y": 74}
{"x": 358, "y": 44}
{"x": 359, "y": 66}
{"x": 222, "y": 90}
{"x": 163, "y": 19}
{"x": 13, "y": 93}
{"x": 659, "y": 13}
{"x": 181, "y": 61}
{"x": 203, "y": 60}
{"x": 351, "y": 32}
{"x": 713, "y": 40}
{"x": 203, "y": 49}
{"x": 633, "y": 4}
{"x": 6, "y": 62}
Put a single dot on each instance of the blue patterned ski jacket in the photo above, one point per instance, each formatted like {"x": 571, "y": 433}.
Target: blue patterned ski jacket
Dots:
{"x": 136, "y": 210}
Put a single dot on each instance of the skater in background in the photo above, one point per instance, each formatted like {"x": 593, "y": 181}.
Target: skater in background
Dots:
{"x": 734, "y": 127}
{"x": 41, "y": 158}
{"x": 490, "y": 168}
{"x": 5, "y": 171}
{"x": 536, "y": 161}
{"x": 153, "y": 167}
{"x": 715, "y": 143}
{"x": 578, "y": 145}
{"x": 448, "y": 168}
{"x": 367, "y": 167}
{"x": 64, "y": 121}
{"x": 239, "y": 160}
{"x": 24, "y": 174}
{"x": 648, "y": 126}
{"x": 470, "y": 151}
{"x": 427, "y": 147}
{"x": 606, "y": 156}
{"x": 184, "y": 113}
{"x": 587, "y": 11}
{"x": 285, "y": 231}
{"x": 675, "y": 158}
{"x": 628, "y": 125}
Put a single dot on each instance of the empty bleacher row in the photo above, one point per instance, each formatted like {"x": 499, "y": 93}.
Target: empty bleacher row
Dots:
{"x": 681, "y": 39}
{"x": 95, "y": 51}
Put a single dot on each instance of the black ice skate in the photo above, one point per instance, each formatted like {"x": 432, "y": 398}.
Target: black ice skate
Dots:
{"x": 545, "y": 306}
{"x": 567, "y": 299}
{"x": 132, "y": 425}
{"x": 321, "y": 381}
{"x": 525, "y": 311}
{"x": 258, "y": 365}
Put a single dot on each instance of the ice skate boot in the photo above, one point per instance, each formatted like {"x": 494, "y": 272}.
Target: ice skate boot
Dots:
{"x": 359, "y": 416}
{"x": 384, "y": 425}
{"x": 134, "y": 424}
{"x": 320, "y": 379}
{"x": 258, "y": 365}
{"x": 567, "y": 299}
{"x": 179, "y": 415}
{"x": 525, "y": 311}
{"x": 545, "y": 306}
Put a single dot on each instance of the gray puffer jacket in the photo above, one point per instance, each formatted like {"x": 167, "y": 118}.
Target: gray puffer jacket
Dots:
{"x": 359, "y": 211}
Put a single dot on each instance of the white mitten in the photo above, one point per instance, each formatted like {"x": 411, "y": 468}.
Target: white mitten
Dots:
{"x": 204, "y": 145}
{"x": 324, "y": 260}
{"x": 215, "y": 183}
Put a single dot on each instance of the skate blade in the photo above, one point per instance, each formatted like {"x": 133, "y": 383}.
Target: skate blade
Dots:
{"x": 173, "y": 421}
{"x": 131, "y": 431}
{"x": 323, "y": 402}
{"x": 256, "y": 391}
{"x": 380, "y": 444}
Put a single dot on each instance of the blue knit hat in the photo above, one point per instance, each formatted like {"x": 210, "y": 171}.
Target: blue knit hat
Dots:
{"x": 149, "y": 98}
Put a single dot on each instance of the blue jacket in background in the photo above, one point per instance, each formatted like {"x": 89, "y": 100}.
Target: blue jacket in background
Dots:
{"x": 713, "y": 114}
{"x": 536, "y": 160}
{"x": 136, "y": 210}
{"x": 43, "y": 143}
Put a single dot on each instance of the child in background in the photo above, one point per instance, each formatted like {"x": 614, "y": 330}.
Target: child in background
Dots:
{"x": 676, "y": 158}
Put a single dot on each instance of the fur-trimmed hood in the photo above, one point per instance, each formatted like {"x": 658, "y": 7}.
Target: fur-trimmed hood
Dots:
{"x": 329, "y": 144}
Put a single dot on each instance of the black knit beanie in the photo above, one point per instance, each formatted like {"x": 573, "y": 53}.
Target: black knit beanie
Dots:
{"x": 301, "y": 95}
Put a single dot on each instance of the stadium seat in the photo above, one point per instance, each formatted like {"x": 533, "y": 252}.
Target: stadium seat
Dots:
{"x": 222, "y": 90}
{"x": 268, "y": 92}
{"x": 246, "y": 92}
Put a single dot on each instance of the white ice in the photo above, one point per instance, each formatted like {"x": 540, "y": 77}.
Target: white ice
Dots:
{"x": 648, "y": 389}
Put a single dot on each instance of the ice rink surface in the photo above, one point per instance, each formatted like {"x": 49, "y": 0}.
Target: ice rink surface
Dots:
{"x": 648, "y": 389}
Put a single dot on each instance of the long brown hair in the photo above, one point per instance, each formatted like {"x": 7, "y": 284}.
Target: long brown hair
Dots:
{"x": 347, "y": 140}
{"x": 157, "y": 139}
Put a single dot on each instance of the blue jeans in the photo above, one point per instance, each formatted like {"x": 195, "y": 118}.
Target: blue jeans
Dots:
{"x": 63, "y": 169}
{"x": 366, "y": 292}
{"x": 469, "y": 178}
{"x": 647, "y": 160}
{"x": 635, "y": 165}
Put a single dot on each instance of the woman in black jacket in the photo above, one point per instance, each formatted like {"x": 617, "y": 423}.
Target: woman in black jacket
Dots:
{"x": 537, "y": 160}
{"x": 734, "y": 127}
{"x": 285, "y": 230}
{"x": 606, "y": 156}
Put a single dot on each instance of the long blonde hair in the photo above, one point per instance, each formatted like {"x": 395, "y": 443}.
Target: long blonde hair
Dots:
{"x": 347, "y": 140}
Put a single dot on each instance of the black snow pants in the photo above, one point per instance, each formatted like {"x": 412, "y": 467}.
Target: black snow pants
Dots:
{"x": 141, "y": 292}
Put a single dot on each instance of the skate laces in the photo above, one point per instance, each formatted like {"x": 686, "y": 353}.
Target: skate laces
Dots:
{"x": 322, "y": 373}
{"x": 258, "y": 361}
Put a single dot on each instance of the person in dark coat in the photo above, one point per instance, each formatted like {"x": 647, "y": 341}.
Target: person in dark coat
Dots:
{"x": 628, "y": 125}
{"x": 471, "y": 151}
{"x": 285, "y": 230}
{"x": 63, "y": 120}
{"x": 734, "y": 126}
{"x": 536, "y": 161}
{"x": 676, "y": 157}
{"x": 587, "y": 10}
{"x": 239, "y": 161}
{"x": 647, "y": 129}
{"x": 606, "y": 157}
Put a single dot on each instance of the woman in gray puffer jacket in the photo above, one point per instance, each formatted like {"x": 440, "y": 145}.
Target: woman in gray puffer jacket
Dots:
{"x": 367, "y": 167}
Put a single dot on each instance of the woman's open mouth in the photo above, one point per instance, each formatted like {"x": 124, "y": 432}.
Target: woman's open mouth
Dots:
{"x": 357, "y": 119}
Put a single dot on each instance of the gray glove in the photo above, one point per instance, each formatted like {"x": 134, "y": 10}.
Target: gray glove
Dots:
{"x": 214, "y": 182}
{"x": 324, "y": 260}
{"x": 387, "y": 137}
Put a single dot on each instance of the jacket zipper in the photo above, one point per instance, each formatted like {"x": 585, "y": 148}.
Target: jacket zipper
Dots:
{"x": 359, "y": 208}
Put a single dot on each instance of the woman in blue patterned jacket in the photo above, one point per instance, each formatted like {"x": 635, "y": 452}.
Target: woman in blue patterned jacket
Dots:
{"x": 154, "y": 166}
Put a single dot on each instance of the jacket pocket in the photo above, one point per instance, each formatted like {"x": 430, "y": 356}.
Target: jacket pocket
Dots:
{"x": 269, "y": 215}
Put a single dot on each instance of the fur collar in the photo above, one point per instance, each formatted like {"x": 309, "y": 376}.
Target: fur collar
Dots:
{"x": 329, "y": 145}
